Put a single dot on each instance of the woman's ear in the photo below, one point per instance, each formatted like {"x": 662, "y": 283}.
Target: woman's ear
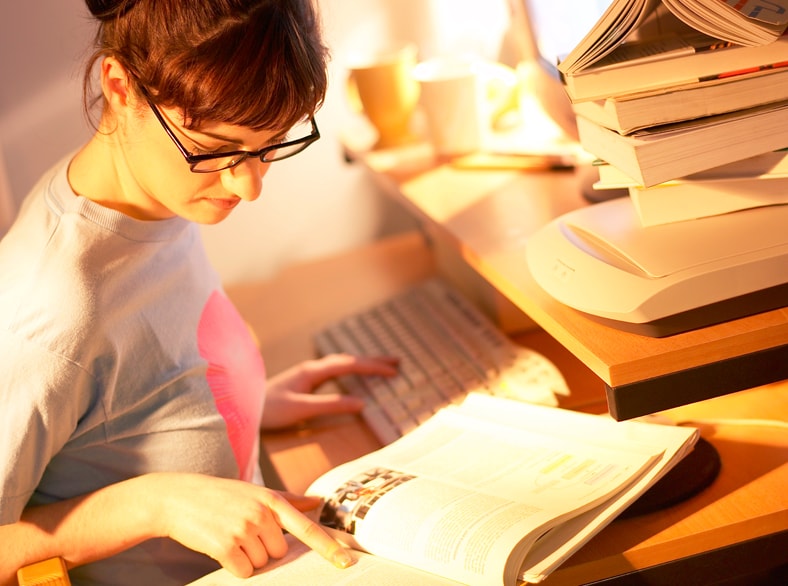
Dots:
{"x": 115, "y": 84}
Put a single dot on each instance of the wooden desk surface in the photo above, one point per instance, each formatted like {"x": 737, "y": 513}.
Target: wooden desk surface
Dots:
{"x": 487, "y": 216}
{"x": 748, "y": 500}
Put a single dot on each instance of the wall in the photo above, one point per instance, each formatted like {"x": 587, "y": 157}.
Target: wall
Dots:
{"x": 7, "y": 205}
{"x": 313, "y": 204}
{"x": 41, "y": 48}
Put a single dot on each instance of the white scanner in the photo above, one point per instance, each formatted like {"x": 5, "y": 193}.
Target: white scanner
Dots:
{"x": 665, "y": 279}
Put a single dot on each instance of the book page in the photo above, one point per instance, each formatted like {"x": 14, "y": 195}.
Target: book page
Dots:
{"x": 301, "y": 565}
{"x": 562, "y": 541}
{"x": 459, "y": 494}
{"x": 744, "y": 22}
{"x": 621, "y": 18}
{"x": 555, "y": 547}
{"x": 668, "y": 46}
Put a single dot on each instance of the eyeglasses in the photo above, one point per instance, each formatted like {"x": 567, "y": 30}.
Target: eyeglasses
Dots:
{"x": 218, "y": 161}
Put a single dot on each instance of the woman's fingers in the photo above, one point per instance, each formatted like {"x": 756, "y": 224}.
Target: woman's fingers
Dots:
{"x": 313, "y": 535}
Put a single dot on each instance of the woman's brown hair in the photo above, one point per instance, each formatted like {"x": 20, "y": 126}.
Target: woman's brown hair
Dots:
{"x": 260, "y": 64}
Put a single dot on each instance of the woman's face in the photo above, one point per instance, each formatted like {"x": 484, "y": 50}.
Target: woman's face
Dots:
{"x": 157, "y": 181}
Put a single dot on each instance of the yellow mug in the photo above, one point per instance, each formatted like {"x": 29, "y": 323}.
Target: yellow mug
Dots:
{"x": 381, "y": 86}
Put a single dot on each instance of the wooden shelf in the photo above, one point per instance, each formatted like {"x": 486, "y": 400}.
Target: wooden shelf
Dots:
{"x": 487, "y": 216}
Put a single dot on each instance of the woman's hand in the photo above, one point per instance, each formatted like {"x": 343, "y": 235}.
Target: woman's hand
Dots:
{"x": 289, "y": 397}
{"x": 237, "y": 523}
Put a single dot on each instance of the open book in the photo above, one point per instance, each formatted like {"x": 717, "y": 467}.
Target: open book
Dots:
{"x": 648, "y": 45}
{"x": 488, "y": 492}
{"x": 746, "y": 22}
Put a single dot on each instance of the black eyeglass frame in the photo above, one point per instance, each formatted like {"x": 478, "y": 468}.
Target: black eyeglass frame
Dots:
{"x": 242, "y": 155}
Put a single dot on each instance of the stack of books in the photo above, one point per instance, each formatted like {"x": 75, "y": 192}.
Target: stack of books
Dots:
{"x": 685, "y": 102}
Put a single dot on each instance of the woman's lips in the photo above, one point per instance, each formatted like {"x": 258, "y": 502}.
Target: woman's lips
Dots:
{"x": 225, "y": 204}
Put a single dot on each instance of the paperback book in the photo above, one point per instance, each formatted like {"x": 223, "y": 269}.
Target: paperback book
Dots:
{"x": 643, "y": 45}
{"x": 738, "y": 22}
{"x": 754, "y": 182}
{"x": 491, "y": 491}
{"x": 671, "y": 62}
{"x": 626, "y": 114}
{"x": 770, "y": 163}
{"x": 678, "y": 201}
{"x": 662, "y": 153}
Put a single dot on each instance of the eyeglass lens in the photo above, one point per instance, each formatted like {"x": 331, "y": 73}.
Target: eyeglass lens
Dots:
{"x": 302, "y": 130}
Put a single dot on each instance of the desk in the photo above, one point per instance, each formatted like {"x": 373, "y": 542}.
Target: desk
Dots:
{"x": 485, "y": 219}
{"x": 741, "y": 519}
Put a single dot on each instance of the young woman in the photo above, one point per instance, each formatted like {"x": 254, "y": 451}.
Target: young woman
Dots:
{"x": 132, "y": 393}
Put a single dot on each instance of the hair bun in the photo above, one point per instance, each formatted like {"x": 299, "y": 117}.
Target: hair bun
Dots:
{"x": 107, "y": 9}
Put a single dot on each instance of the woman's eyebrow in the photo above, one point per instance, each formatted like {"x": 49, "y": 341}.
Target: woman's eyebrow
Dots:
{"x": 217, "y": 136}
{"x": 189, "y": 133}
{"x": 236, "y": 141}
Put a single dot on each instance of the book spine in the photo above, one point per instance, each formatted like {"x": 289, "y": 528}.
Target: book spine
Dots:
{"x": 746, "y": 71}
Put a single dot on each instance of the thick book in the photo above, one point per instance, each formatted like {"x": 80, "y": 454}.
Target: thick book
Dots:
{"x": 770, "y": 163}
{"x": 626, "y": 114}
{"x": 682, "y": 200}
{"x": 656, "y": 155}
{"x": 488, "y": 492}
{"x": 668, "y": 62}
{"x": 754, "y": 182}
{"x": 738, "y": 22}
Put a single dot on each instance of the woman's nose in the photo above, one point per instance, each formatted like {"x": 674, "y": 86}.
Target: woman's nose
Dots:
{"x": 245, "y": 180}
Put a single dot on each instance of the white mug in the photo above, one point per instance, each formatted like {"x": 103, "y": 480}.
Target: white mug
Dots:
{"x": 454, "y": 104}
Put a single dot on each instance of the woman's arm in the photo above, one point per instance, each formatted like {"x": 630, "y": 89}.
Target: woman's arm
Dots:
{"x": 242, "y": 530}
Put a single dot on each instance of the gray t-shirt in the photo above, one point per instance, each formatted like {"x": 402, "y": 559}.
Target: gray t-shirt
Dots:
{"x": 119, "y": 355}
